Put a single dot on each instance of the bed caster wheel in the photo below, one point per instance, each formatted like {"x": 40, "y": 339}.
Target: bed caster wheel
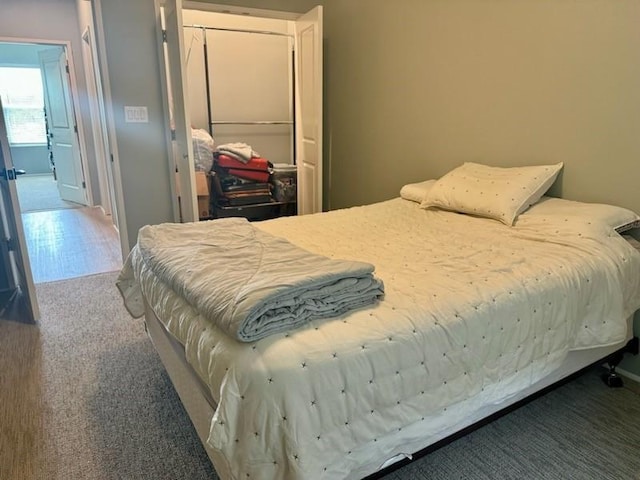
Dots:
{"x": 611, "y": 379}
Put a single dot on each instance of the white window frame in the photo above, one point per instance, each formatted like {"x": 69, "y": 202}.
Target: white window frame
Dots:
{"x": 39, "y": 100}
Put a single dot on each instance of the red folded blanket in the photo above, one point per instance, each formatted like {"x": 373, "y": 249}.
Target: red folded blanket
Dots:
{"x": 257, "y": 168}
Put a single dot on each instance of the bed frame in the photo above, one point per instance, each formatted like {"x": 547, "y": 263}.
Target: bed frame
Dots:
{"x": 200, "y": 406}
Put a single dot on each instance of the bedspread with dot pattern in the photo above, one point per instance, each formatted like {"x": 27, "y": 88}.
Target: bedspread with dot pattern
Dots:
{"x": 473, "y": 312}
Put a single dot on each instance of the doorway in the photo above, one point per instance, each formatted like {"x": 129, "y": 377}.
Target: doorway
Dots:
{"x": 65, "y": 236}
{"x": 306, "y": 76}
{"x": 41, "y": 125}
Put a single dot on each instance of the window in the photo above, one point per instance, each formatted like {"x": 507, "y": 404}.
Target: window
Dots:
{"x": 23, "y": 102}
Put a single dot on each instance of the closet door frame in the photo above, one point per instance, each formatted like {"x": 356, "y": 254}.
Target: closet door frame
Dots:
{"x": 308, "y": 110}
{"x": 177, "y": 119}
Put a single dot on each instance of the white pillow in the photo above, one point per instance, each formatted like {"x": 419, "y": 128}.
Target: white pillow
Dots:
{"x": 493, "y": 192}
{"x": 416, "y": 192}
{"x": 617, "y": 218}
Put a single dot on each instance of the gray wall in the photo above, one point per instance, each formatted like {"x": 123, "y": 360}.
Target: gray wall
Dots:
{"x": 33, "y": 159}
{"x": 130, "y": 41}
{"x": 54, "y": 20}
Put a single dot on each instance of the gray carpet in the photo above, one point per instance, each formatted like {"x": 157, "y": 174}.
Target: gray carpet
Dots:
{"x": 109, "y": 411}
{"x": 112, "y": 404}
{"x": 40, "y": 192}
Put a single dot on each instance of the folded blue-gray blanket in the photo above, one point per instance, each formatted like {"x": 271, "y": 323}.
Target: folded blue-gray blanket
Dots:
{"x": 250, "y": 283}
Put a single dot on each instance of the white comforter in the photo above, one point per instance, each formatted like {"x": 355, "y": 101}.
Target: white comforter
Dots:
{"x": 474, "y": 311}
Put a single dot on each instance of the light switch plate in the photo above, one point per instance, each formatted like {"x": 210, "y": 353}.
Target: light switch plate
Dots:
{"x": 136, "y": 114}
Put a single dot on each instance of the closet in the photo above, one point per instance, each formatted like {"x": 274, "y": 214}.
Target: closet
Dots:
{"x": 246, "y": 78}
{"x": 240, "y": 84}
{"x": 240, "y": 80}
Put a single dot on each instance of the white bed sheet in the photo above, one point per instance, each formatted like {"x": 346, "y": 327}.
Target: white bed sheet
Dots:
{"x": 474, "y": 311}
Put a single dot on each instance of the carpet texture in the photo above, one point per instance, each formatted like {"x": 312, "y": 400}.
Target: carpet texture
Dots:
{"x": 40, "y": 192}
{"x": 83, "y": 395}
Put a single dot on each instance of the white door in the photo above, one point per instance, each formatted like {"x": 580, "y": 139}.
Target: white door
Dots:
{"x": 62, "y": 126}
{"x": 308, "y": 59}
{"x": 179, "y": 121}
{"x": 15, "y": 258}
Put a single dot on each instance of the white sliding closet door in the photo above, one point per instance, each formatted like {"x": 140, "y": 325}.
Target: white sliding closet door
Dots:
{"x": 308, "y": 56}
{"x": 181, "y": 146}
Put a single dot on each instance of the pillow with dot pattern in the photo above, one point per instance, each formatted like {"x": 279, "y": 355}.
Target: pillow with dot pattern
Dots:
{"x": 501, "y": 193}
{"x": 416, "y": 192}
{"x": 610, "y": 216}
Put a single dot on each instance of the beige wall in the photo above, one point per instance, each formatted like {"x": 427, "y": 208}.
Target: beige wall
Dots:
{"x": 417, "y": 87}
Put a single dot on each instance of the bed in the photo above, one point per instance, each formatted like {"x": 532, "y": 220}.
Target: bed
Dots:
{"x": 479, "y": 311}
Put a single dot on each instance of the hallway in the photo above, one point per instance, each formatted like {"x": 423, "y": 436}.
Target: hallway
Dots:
{"x": 70, "y": 243}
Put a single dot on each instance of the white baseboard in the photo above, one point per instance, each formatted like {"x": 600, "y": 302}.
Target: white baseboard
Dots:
{"x": 629, "y": 375}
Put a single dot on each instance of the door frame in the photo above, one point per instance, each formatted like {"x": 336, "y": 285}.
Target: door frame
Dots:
{"x": 95, "y": 94}
{"x": 176, "y": 115}
{"x": 239, "y": 10}
{"x": 73, "y": 93}
{"x": 309, "y": 96}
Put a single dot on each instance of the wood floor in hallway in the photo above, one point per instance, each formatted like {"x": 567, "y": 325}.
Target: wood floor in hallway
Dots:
{"x": 71, "y": 243}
